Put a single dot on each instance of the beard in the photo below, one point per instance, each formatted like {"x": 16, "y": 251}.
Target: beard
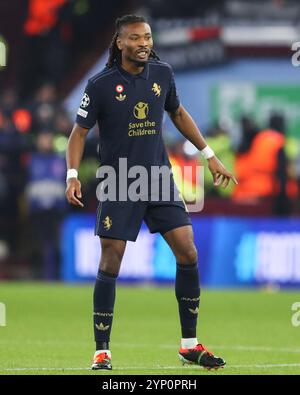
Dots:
{"x": 140, "y": 63}
{"x": 137, "y": 62}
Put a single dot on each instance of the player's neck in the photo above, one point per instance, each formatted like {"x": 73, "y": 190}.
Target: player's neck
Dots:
{"x": 131, "y": 67}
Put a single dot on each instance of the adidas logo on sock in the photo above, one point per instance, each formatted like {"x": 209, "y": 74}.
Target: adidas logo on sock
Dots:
{"x": 101, "y": 327}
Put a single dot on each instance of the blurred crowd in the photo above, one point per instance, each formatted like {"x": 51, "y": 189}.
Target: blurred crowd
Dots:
{"x": 33, "y": 140}
{"x": 266, "y": 163}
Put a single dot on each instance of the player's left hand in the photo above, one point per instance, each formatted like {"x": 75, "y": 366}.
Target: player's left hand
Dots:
{"x": 220, "y": 175}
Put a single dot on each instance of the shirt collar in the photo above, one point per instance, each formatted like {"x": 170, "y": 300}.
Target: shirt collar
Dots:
{"x": 131, "y": 77}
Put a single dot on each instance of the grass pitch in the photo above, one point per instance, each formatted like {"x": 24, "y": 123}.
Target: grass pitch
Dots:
{"x": 49, "y": 331}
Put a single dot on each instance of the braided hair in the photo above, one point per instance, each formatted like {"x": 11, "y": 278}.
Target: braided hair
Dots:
{"x": 115, "y": 54}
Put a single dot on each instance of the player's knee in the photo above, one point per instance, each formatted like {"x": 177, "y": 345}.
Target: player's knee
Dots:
{"x": 188, "y": 255}
{"x": 111, "y": 259}
{"x": 110, "y": 266}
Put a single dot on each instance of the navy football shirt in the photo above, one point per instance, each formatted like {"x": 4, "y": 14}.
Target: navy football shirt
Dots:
{"x": 129, "y": 110}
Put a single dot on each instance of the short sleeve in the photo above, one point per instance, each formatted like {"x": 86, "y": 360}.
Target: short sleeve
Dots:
{"x": 172, "y": 99}
{"x": 89, "y": 108}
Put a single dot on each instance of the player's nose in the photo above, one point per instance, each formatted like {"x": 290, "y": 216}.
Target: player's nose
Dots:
{"x": 143, "y": 43}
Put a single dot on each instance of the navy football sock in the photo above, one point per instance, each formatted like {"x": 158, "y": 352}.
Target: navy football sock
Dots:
{"x": 187, "y": 290}
{"x": 104, "y": 300}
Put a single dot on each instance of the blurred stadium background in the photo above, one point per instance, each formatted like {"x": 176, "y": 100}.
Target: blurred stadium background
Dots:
{"x": 234, "y": 73}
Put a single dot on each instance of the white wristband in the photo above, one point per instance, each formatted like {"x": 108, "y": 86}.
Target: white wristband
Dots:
{"x": 72, "y": 173}
{"x": 207, "y": 152}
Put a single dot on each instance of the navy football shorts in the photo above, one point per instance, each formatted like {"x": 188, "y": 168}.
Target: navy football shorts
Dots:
{"x": 123, "y": 220}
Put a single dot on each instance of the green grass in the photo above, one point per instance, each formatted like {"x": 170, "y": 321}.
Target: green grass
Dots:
{"x": 49, "y": 331}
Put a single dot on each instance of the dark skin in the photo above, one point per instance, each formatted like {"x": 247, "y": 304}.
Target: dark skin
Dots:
{"x": 135, "y": 42}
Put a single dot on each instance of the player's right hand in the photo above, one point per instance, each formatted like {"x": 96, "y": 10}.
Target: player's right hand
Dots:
{"x": 73, "y": 192}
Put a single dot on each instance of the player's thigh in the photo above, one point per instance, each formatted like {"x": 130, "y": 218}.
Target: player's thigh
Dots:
{"x": 181, "y": 241}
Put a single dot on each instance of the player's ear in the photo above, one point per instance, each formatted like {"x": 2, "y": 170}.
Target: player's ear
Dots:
{"x": 119, "y": 43}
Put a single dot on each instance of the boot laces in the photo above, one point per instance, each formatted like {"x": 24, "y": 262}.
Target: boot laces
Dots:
{"x": 200, "y": 347}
